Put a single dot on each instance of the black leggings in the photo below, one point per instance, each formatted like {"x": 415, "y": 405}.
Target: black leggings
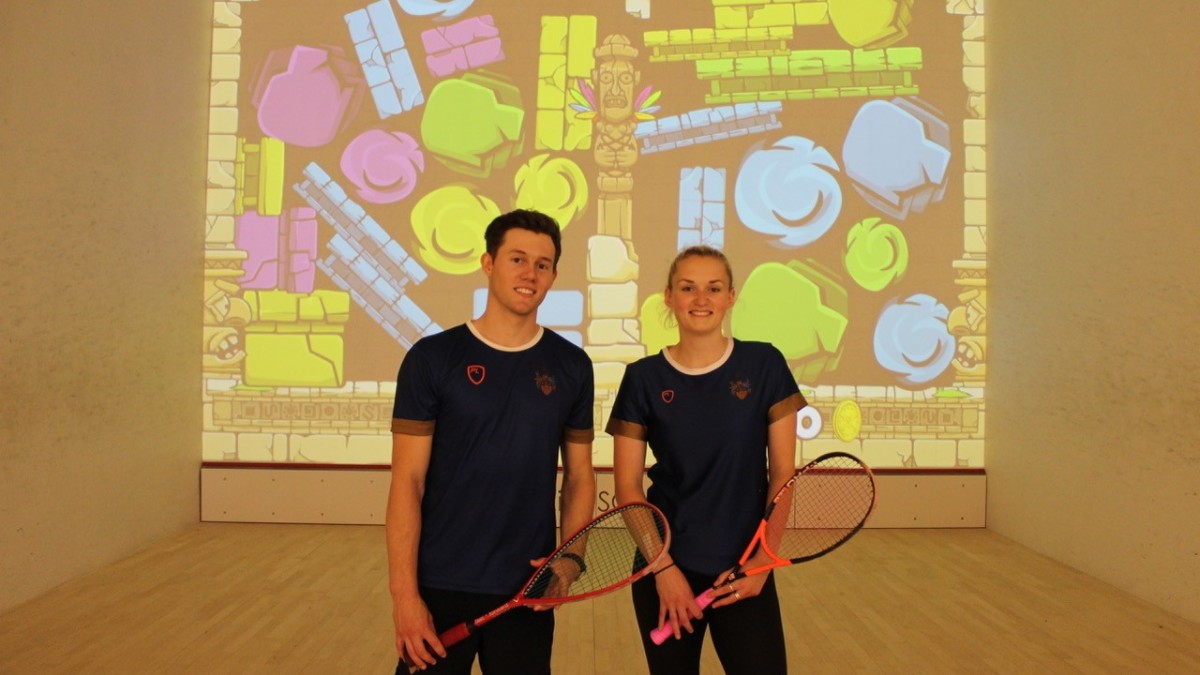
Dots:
{"x": 517, "y": 642}
{"x": 747, "y": 635}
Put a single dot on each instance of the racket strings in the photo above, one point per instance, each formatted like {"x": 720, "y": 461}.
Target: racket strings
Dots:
{"x": 609, "y": 552}
{"x": 828, "y": 502}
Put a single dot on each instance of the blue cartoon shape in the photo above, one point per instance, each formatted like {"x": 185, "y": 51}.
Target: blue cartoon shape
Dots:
{"x": 896, "y": 153}
{"x": 787, "y": 190}
{"x": 438, "y": 9}
{"x": 912, "y": 340}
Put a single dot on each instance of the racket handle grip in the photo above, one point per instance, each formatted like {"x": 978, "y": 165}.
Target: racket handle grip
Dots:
{"x": 457, "y": 634}
{"x": 451, "y": 636}
{"x": 659, "y": 635}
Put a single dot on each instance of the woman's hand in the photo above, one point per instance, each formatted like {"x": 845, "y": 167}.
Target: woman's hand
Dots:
{"x": 736, "y": 591}
{"x": 676, "y": 602}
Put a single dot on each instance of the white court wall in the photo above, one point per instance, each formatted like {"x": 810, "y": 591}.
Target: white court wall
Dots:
{"x": 102, "y": 128}
{"x": 1094, "y": 254}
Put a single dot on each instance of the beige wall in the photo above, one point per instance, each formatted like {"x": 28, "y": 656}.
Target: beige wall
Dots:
{"x": 101, "y": 139}
{"x": 1093, "y": 446}
{"x": 1094, "y": 439}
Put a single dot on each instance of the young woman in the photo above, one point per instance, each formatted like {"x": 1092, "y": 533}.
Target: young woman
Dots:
{"x": 719, "y": 414}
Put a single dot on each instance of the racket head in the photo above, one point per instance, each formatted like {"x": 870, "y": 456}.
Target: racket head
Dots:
{"x": 826, "y": 502}
{"x": 617, "y": 548}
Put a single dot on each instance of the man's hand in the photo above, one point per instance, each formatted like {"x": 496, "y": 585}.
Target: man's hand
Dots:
{"x": 416, "y": 639}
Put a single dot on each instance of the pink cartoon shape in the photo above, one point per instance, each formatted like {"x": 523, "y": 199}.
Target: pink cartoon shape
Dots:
{"x": 306, "y": 95}
{"x": 469, "y": 43}
{"x": 266, "y": 266}
{"x": 383, "y": 166}
{"x": 301, "y": 272}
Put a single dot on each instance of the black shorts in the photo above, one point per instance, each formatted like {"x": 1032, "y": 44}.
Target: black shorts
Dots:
{"x": 518, "y": 642}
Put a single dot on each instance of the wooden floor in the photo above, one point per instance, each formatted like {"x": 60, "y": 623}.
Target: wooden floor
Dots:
{"x": 235, "y": 598}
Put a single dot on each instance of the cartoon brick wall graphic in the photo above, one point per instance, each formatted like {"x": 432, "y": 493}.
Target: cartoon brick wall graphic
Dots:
{"x": 707, "y": 125}
{"x": 968, "y": 320}
{"x": 691, "y": 44}
{"x": 613, "y": 337}
{"x": 224, "y": 312}
{"x": 701, "y": 207}
{"x": 295, "y": 339}
{"x": 463, "y": 45}
{"x": 258, "y": 172}
{"x": 616, "y": 94}
{"x": 638, "y": 8}
{"x": 734, "y": 14}
{"x": 385, "y": 60}
{"x": 366, "y": 262}
{"x": 809, "y": 74}
{"x": 281, "y": 251}
{"x": 754, "y": 66}
{"x": 565, "y": 55}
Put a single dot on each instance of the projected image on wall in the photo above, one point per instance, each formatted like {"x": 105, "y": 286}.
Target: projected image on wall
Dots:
{"x": 834, "y": 149}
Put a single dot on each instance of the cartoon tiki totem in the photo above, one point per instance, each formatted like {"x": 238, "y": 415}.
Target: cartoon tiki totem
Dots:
{"x": 225, "y": 313}
{"x": 968, "y": 322}
{"x": 615, "y": 150}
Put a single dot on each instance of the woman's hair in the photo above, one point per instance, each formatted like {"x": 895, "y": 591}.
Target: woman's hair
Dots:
{"x": 702, "y": 252}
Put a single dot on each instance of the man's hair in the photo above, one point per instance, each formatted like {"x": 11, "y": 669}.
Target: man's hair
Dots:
{"x": 525, "y": 219}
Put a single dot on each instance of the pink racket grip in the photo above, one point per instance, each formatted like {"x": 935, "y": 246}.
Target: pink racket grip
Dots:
{"x": 659, "y": 635}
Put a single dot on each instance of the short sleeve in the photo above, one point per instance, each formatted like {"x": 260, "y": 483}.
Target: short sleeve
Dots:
{"x": 785, "y": 395}
{"x": 630, "y": 412}
{"x": 416, "y": 405}
{"x": 581, "y": 421}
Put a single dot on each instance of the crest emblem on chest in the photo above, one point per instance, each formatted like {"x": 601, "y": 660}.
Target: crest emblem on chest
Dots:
{"x": 476, "y": 374}
{"x": 544, "y": 381}
{"x": 668, "y": 395}
{"x": 740, "y": 388}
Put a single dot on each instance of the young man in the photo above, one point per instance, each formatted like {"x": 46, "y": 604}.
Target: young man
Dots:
{"x": 482, "y": 411}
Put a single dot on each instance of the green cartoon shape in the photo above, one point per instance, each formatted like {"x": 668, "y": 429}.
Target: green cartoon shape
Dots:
{"x": 801, "y": 308}
{"x": 871, "y": 24}
{"x": 659, "y": 328}
{"x": 876, "y": 254}
{"x": 472, "y": 124}
{"x": 449, "y": 224}
{"x": 554, "y": 186}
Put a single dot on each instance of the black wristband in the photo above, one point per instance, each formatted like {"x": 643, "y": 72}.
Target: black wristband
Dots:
{"x": 662, "y": 569}
{"x": 575, "y": 558}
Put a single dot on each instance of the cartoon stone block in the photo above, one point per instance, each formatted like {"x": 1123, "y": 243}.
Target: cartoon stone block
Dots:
{"x": 294, "y": 360}
{"x": 281, "y": 251}
{"x": 306, "y": 95}
{"x": 470, "y": 43}
{"x": 897, "y": 153}
{"x": 294, "y": 339}
{"x": 258, "y": 176}
{"x": 472, "y": 124}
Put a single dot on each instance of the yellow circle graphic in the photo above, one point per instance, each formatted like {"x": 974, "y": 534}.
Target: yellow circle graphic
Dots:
{"x": 847, "y": 420}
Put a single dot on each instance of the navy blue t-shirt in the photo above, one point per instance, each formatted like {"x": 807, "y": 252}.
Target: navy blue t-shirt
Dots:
{"x": 707, "y": 432}
{"x": 498, "y": 417}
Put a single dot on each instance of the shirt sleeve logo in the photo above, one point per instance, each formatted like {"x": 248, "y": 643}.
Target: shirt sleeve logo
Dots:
{"x": 545, "y": 382}
{"x": 476, "y": 374}
{"x": 668, "y": 395}
{"x": 740, "y": 388}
